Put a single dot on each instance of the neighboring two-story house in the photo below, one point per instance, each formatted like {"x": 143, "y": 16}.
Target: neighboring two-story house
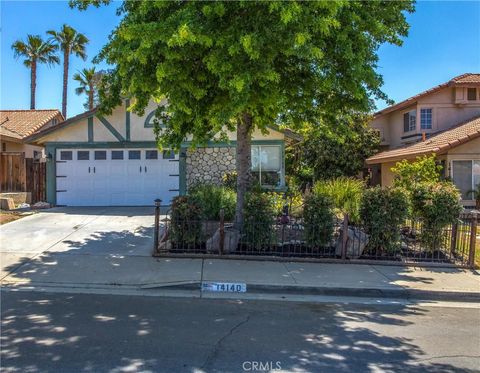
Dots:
{"x": 444, "y": 120}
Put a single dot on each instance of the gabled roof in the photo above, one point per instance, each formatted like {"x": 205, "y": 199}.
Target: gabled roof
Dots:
{"x": 438, "y": 143}
{"x": 23, "y": 123}
{"x": 61, "y": 125}
{"x": 458, "y": 81}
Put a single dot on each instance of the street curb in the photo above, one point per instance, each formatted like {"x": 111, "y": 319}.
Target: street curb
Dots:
{"x": 349, "y": 292}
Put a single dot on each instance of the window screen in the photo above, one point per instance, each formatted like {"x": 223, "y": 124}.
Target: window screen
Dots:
{"x": 100, "y": 155}
{"x": 410, "y": 121}
{"x": 117, "y": 154}
{"x": 83, "y": 155}
{"x": 134, "y": 154}
{"x": 151, "y": 154}
{"x": 462, "y": 177}
{"x": 66, "y": 155}
{"x": 471, "y": 94}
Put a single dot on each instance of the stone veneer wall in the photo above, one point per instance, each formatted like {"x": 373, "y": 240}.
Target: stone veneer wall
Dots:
{"x": 208, "y": 165}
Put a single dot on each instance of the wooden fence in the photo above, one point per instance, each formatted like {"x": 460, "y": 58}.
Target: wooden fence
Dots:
{"x": 20, "y": 174}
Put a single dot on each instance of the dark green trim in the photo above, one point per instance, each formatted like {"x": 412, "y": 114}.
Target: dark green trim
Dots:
{"x": 149, "y": 117}
{"x": 90, "y": 129}
{"x": 95, "y": 145}
{"x": 112, "y": 129}
{"x": 233, "y": 143}
{"x": 127, "y": 120}
{"x": 182, "y": 169}
{"x": 51, "y": 177}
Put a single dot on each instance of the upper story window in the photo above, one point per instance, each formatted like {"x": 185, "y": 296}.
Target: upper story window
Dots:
{"x": 426, "y": 119}
{"x": 409, "y": 121}
{"x": 471, "y": 94}
{"x": 54, "y": 121}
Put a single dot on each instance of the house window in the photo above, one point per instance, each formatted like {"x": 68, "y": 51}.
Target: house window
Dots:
{"x": 100, "y": 155}
{"x": 466, "y": 176}
{"x": 409, "y": 121}
{"x": 471, "y": 94}
{"x": 134, "y": 154}
{"x": 66, "y": 155}
{"x": 83, "y": 155}
{"x": 267, "y": 165}
{"x": 151, "y": 154}
{"x": 117, "y": 154}
{"x": 426, "y": 119}
{"x": 4, "y": 146}
{"x": 168, "y": 154}
{"x": 54, "y": 121}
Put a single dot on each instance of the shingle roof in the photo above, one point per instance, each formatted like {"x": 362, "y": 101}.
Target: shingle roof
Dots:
{"x": 26, "y": 122}
{"x": 438, "y": 143}
{"x": 461, "y": 80}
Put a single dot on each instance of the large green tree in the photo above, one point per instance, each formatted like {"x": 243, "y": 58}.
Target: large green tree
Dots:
{"x": 34, "y": 51}
{"x": 70, "y": 42}
{"x": 242, "y": 65}
{"x": 332, "y": 147}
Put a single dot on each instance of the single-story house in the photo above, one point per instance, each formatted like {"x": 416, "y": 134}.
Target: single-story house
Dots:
{"x": 457, "y": 148}
{"x": 17, "y": 125}
{"x": 95, "y": 160}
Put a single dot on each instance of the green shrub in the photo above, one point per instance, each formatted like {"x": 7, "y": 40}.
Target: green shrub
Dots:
{"x": 229, "y": 180}
{"x": 345, "y": 193}
{"x": 436, "y": 205}
{"x": 186, "y": 221}
{"x": 383, "y": 212}
{"x": 212, "y": 198}
{"x": 410, "y": 174}
{"x": 318, "y": 219}
{"x": 259, "y": 215}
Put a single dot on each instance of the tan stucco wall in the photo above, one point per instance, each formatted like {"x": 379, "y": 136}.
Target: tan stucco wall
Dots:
{"x": 78, "y": 132}
{"x": 23, "y": 148}
{"x": 446, "y": 113}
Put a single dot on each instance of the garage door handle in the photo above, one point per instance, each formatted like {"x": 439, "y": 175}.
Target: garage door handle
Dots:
{"x": 94, "y": 170}
{"x": 89, "y": 170}
{"x": 140, "y": 169}
{"x": 145, "y": 169}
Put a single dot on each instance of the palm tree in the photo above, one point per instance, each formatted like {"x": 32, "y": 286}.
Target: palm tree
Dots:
{"x": 88, "y": 80}
{"x": 35, "y": 50}
{"x": 70, "y": 42}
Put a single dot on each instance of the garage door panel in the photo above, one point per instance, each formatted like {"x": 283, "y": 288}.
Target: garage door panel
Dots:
{"x": 109, "y": 177}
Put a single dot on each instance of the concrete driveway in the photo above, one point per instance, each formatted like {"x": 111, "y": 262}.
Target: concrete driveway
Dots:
{"x": 92, "y": 231}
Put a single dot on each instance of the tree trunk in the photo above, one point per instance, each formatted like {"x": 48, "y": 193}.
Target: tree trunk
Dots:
{"x": 90, "y": 97}
{"x": 243, "y": 163}
{"x": 66, "y": 56}
{"x": 33, "y": 84}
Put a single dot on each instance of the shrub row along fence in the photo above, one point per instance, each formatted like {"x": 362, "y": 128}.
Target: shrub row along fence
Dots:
{"x": 292, "y": 238}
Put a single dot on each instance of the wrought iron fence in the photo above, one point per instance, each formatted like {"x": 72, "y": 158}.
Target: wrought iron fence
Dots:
{"x": 290, "y": 237}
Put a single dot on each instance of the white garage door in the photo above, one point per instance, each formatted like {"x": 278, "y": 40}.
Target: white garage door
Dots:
{"x": 116, "y": 177}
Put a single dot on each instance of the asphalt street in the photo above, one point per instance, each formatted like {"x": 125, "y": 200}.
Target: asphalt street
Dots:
{"x": 61, "y": 332}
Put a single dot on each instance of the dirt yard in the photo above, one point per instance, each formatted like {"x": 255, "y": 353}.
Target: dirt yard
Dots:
{"x": 7, "y": 216}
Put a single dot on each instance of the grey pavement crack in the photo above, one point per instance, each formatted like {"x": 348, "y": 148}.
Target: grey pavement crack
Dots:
{"x": 216, "y": 347}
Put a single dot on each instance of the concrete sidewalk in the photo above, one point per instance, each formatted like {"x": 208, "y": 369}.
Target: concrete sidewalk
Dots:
{"x": 147, "y": 273}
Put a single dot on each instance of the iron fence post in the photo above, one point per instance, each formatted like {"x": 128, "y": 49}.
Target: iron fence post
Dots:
{"x": 453, "y": 242}
{"x": 345, "y": 236}
{"x": 473, "y": 238}
{"x": 222, "y": 231}
{"x": 157, "y": 224}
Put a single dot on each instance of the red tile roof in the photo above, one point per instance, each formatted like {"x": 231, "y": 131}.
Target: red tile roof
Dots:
{"x": 25, "y": 122}
{"x": 461, "y": 80}
{"x": 439, "y": 143}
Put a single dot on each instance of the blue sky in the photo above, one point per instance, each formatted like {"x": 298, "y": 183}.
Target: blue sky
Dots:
{"x": 444, "y": 41}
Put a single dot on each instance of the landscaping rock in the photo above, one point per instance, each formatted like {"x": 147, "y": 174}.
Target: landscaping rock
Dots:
{"x": 232, "y": 236}
{"x": 41, "y": 205}
{"x": 7, "y": 204}
{"x": 356, "y": 242}
{"x": 165, "y": 246}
